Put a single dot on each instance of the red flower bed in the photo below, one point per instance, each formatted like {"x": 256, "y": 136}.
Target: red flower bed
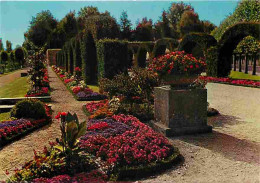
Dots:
{"x": 241, "y": 82}
{"x": 93, "y": 176}
{"x": 136, "y": 146}
{"x": 93, "y": 106}
{"x": 9, "y": 129}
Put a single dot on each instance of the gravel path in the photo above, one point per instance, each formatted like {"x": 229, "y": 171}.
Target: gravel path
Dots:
{"x": 229, "y": 154}
{"x": 11, "y": 77}
{"x": 15, "y": 154}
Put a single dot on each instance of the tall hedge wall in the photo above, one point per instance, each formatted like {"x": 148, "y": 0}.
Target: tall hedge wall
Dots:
{"x": 141, "y": 57}
{"x": 212, "y": 61}
{"x": 112, "y": 57}
{"x": 70, "y": 55}
{"x": 77, "y": 53}
{"x": 88, "y": 58}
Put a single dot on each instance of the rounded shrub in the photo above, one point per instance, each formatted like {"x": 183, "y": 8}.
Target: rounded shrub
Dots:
{"x": 29, "y": 109}
{"x": 4, "y": 57}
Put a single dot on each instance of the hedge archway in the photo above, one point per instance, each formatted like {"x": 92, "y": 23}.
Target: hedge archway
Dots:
{"x": 197, "y": 44}
{"x": 230, "y": 40}
{"x": 161, "y": 45}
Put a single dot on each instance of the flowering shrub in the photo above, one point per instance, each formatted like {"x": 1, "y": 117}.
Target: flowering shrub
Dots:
{"x": 137, "y": 144}
{"x": 43, "y": 86}
{"x": 241, "y": 82}
{"x": 177, "y": 63}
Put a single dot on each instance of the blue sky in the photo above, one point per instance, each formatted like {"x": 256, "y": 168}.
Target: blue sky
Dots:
{"x": 15, "y": 15}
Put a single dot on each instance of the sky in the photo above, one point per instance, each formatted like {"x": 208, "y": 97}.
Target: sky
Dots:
{"x": 16, "y": 15}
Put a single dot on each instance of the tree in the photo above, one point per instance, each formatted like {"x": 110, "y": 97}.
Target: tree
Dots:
{"x": 175, "y": 12}
{"x": 1, "y": 45}
{"x": 246, "y": 11}
{"x": 189, "y": 22}
{"x": 162, "y": 27}
{"x": 144, "y": 30}
{"x": 84, "y": 13}
{"x": 40, "y": 28}
{"x": 208, "y": 27}
{"x": 248, "y": 45}
{"x": 8, "y": 46}
{"x": 19, "y": 55}
{"x": 125, "y": 26}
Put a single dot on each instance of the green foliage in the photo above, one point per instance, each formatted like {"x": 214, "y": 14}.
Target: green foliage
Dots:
{"x": 189, "y": 22}
{"x": 248, "y": 45}
{"x": 102, "y": 26}
{"x": 230, "y": 40}
{"x": 4, "y": 57}
{"x": 89, "y": 58}
{"x": 112, "y": 57}
{"x": 190, "y": 41}
{"x": 71, "y": 130}
{"x": 161, "y": 45}
{"x": 141, "y": 57}
{"x": 246, "y": 11}
{"x": 40, "y": 28}
{"x": 29, "y": 109}
{"x": 144, "y": 30}
{"x": 212, "y": 61}
{"x": 162, "y": 27}
{"x": 77, "y": 53}
{"x": 70, "y": 56}
{"x": 8, "y": 46}
{"x": 19, "y": 55}
{"x": 125, "y": 26}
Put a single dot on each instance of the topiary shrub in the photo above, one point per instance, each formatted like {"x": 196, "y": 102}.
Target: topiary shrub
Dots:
{"x": 29, "y": 109}
{"x": 77, "y": 53}
{"x": 194, "y": 40}
{"x": 70, "y": 52}
{"x": 141, "y": 57}
{"x": 112, "y": 57}
{"x": 230, "y": 40}
{"x": 212, "y": 61}
{"x": 88, "y": 58}
{"x": 4, "y": 57}
{"x": 19, "y": 55}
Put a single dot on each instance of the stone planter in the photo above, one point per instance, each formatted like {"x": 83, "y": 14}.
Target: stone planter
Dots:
{"x": 179, "y": 81}
{"x": 180, "y": 112}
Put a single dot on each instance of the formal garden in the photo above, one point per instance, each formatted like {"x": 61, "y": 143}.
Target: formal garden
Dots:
{"x": 89, "y": 99}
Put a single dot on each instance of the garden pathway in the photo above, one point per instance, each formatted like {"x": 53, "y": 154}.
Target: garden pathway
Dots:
{"x": 17, "y": 153}
{"x": 231, "y": 152}
{"x": 11, "y": 77}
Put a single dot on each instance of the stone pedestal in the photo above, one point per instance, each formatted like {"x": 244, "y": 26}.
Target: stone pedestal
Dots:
{"x": 180, "y": 112}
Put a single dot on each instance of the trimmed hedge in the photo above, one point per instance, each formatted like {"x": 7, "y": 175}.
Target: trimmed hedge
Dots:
{"x": 112, "y": 57}
{"x": 212, "y": 61}
{"x": 230, "y": 40}
{"x": 161, "y": 45}
{"x": 77, "y": 53}
{"x": 88, "y": 58}
{"x": 70, "y": 55}
{"x": 190, "y": 41}
{"x": 102, "y": 26}
{"x": 4, "y": 57}
{"x": 141, "y": 57}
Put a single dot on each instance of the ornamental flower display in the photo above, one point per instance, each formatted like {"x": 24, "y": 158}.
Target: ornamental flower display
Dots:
{"x": 177, "y": 69}
{"x": 177, "y": 63}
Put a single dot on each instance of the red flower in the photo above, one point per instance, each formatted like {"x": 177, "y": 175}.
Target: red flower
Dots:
{"x": 77, "y": 69}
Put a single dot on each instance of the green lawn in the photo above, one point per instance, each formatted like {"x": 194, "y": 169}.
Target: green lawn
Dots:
{"x": 4, "y": 116}
{"x": 95, "y": 88}
{"x": 17, "y": 88}
{"x": 241, "y": 75}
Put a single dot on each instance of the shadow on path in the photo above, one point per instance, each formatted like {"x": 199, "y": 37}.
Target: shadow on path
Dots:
{"x": 229, "y": 146}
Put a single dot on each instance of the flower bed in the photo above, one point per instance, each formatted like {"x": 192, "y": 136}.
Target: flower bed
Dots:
{"x": 14, "y": 129}
{"x": 239, "y": 82}
{"x": 125, "y": 143}
{"x": 77, "y": 87}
